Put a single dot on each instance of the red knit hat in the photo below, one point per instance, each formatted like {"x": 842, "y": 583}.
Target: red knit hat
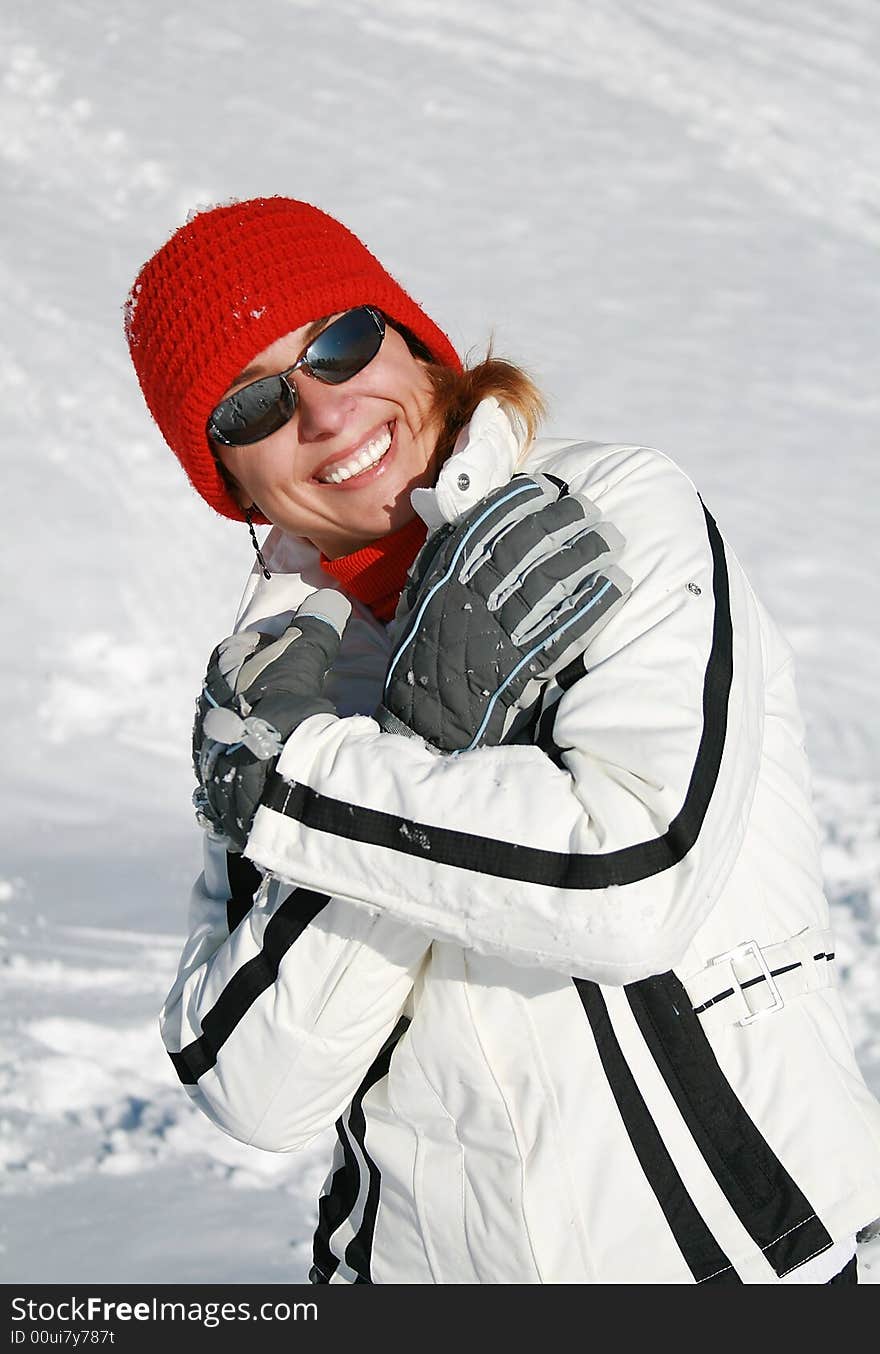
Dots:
{"x": 226, "y": 285}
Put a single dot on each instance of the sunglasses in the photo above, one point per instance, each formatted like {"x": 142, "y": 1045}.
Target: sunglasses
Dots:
{"x": 337, "y": 354}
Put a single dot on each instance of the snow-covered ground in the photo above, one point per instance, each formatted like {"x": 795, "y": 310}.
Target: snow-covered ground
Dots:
{"x": 670, "y": 213}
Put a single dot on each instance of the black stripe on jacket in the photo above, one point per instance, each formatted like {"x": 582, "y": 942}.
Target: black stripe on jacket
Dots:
{"x": 701, "y": 1252}
{"x": 334, "y": 1206}
{"x": 529, "y": 864}
{"x": 251, "y": 980}
{"x": 338, "y": 1202}
{"x": 770, "y": 1206}
{"x": 244, "y": 880}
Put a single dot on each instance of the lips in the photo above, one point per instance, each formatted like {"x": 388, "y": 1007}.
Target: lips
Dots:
{"x": 351, "y": 465}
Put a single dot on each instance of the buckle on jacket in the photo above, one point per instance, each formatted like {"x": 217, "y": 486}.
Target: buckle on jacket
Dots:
{"x": 751, "y": 948}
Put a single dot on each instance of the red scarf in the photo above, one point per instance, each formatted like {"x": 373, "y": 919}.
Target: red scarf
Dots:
{"x": 375, "y": 575}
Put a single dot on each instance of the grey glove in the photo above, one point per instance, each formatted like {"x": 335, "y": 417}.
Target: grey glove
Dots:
{"x": 495, "y": 605}
{"x": 256, "y": 691}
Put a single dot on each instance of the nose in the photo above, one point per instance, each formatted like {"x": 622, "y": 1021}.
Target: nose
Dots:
{"x": 323, "y": 410}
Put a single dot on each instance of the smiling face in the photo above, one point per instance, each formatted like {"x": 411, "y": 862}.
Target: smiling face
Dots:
{"x": 341, "y": 470}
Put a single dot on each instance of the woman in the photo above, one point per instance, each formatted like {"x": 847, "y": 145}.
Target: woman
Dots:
{"x": 525, "y": 895}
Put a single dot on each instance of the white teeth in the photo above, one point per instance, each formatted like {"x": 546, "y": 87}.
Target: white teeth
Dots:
{"x": 368, "y": 456}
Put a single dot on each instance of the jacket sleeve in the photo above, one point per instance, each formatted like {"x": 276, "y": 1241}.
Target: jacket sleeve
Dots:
{"x": 280, "y": 1007}
{"x": 602, "y": 858}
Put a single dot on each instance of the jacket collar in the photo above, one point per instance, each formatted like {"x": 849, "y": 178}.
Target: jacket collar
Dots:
{"x": 485, "y": 456}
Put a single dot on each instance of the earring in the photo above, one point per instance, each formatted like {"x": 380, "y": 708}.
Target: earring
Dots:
{"x": 248, "y": 517}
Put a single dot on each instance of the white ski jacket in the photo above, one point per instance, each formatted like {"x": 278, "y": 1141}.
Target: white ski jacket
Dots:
{"x": 572, "y": 1004}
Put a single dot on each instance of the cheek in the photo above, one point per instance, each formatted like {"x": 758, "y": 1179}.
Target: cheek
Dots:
{"x": 256, "y": 469}
{"x": 417, "y": 404}
{"x": 400, "y": 376}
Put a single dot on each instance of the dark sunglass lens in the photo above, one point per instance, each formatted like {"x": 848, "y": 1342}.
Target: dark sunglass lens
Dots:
{"x": 252, "y": 413}
{"x": 346, "y": 346}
